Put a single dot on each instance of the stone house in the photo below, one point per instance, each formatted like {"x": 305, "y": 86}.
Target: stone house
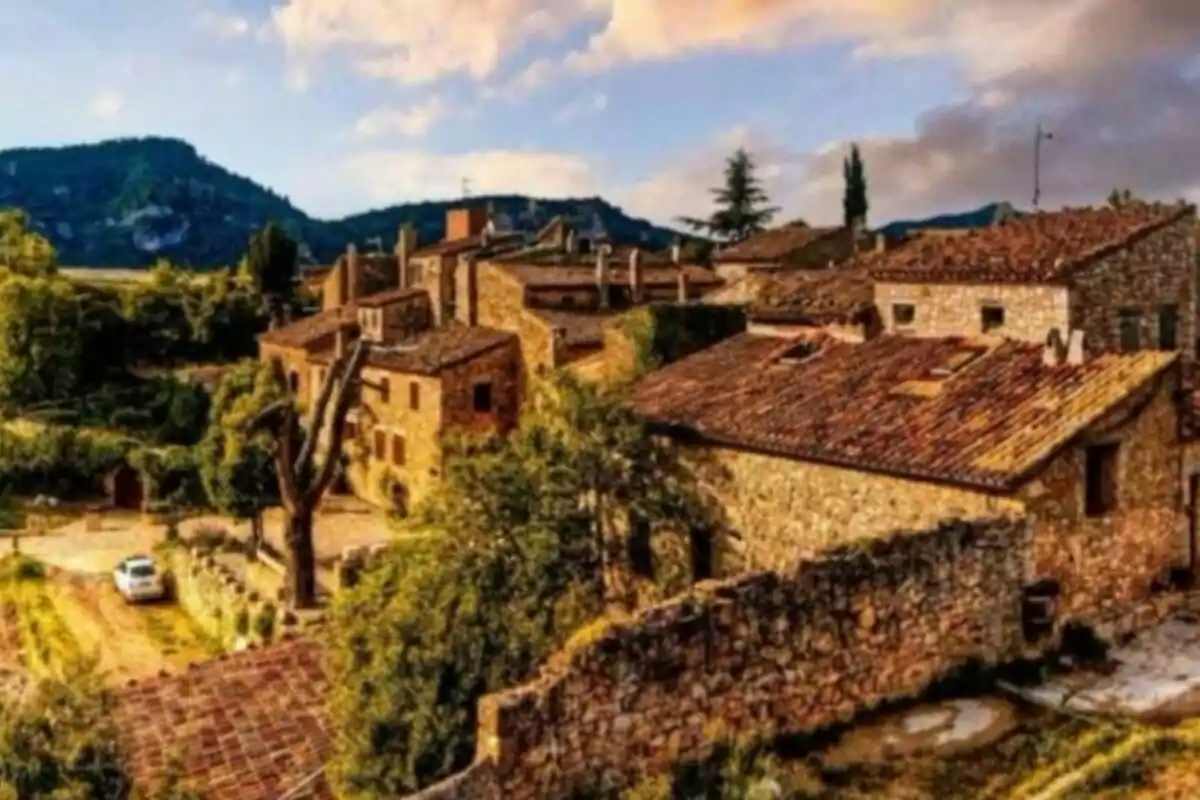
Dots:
{"x": 788, "y": 247}
{"x": 1125, "y": 277}
{"x": 813, "y": 442}
{"x": 420, "y": 382}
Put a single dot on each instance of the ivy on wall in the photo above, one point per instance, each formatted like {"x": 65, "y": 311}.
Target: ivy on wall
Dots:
{"x": 664, "y": 333}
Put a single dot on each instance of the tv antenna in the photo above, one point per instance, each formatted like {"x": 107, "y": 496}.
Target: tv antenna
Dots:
{"x": 1039, "y": 136}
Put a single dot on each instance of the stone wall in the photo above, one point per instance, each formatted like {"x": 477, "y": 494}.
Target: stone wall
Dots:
{"x": 788, "y": 510}
{"x": 501, "y": 305}
{"x": 215, "y": 597}
{"x": 955, "y": 310}
{"x": 760, "y": 654}
{"x": 1158, "y": 269}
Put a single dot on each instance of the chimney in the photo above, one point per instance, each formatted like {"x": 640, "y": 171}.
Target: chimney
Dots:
{"x": 339, "y": 343}
{"x": 571, "y": 245}
{"x": 637, "y": 284}
{"x": 1054, "y": 351}
{"x": 602, "y": 276}
{"x": 676, "y": 252}
{"x": 406, "y": 243}
{"x": 353, "y": 273}
{"x": 880, "y": 243}
{"x": 683, "y": 285}
{"x": 1076, "y": 350}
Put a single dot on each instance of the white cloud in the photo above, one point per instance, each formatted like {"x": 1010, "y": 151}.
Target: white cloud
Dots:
{"x": 106, "y": 104}
{"x": 411, "y": 122}
{"x": 390, "y": 176}
{"x": 223, "y": 25}
{"x": 586, "y": 105}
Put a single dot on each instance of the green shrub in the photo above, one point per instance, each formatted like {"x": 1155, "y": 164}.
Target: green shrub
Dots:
{"x": 264, "y": 621}
{"x": 23, "y": 568}
{"x": 241, "y": 622}
{"x": 59, "y": 460}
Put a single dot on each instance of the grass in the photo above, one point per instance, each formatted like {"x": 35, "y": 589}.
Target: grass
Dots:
{"x": 47, "y": 645}
{"x": 178, "y": 635}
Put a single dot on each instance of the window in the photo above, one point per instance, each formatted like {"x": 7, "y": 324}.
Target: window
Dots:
{"x": 397, "y": 450}
{"x": 380, "y": 445}
{"x": 414, "y": 396}
{"x": 1130, "y": 324}
{"x": 350, "y": 432}
{"x": 903, "y": 313}
{"x": 385, "y": 390}
{"x": 1100, "y": 480}
{"x": 991, "y": 317}
{"x": 483, "y": 397}
{"x": 641, "y": 554}
{"x": 294, "y": 382}
{"x": 1168, "y": 327}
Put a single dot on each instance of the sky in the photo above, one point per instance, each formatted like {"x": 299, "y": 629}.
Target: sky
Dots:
{"x": 347, "y": 105}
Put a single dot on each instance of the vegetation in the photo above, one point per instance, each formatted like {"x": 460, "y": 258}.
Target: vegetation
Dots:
{"x": 24, "y": 251}
{"x": 528, "y": 546}
{"x": 854, "y": 199}
{"x": 663, "y": 334}
{"x": 271, "y": 264}
{"x": 1122, "y": 197}
{"x": 742, "y": 209}
{"x": 129, "y": 202}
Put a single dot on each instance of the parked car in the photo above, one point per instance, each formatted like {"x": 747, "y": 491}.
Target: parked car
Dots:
{"x": 139, "y": 578}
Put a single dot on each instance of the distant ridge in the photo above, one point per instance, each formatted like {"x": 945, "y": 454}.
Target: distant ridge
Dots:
{"x": 979, "y": 218}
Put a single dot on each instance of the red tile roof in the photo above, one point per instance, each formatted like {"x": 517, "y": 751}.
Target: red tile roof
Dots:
{"x": 550, "y": 277}
{"x": 885, "y": 405}
{"x": 825, "y": 297}
{"x": 431, "y": 351}
{"x": 303, "y": 333}
{"x": 1035, "y": 248}
{"x": 773, "y": 246}
{"x": 249, "y": 725}
{"x": 454, "y": 247}
{"x": 581, "y": 328}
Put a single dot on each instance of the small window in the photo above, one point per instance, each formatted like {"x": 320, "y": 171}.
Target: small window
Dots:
{"x": 380, "y": 445}
{"x": 385, "y": 390}
{"x": 350, "y": 432}
{"x": 991, "y": 317}
{"x": 1100, "y": 480}
{"x": 904, "y": 313}
{"x": 293, "y": 381}
{"x": 482, "y": 400}
{"x": 1168, "y": 327}
{"x": 414, "y": 396}
{"x": 1131, "y": 333}
{"x": 397, "y": 450}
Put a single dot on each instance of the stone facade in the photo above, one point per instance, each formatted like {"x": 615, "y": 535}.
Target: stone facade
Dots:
{"x": 501, "y": 305}
{"x": 760, "y": 654}
{"x": 957, "y": 309}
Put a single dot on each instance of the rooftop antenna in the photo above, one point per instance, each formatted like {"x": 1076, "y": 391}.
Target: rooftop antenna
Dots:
{"x": 1039, "y": 136}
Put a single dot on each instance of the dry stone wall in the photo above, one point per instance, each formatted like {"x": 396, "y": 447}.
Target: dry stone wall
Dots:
{"x": 216, "y": 598}
{"x": 758, "y": 654}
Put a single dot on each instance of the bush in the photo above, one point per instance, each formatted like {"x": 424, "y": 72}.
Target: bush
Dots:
{"x": 59, "y": 460}
{"x": 22, "y": 568}
{"x": 264, "y": 621}
{"x": 208, "y": 539}
{"x": 241, "y": 622}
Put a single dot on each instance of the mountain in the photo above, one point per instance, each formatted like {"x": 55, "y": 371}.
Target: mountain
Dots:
{"x": 979, "y": 218}
{"x": 129, "y": 202}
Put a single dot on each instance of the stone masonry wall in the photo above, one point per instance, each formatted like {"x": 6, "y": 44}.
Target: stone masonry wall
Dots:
{"x": 1159, "y": 269}
{"x": 759, "y": 654}
{"x": 954, "y": 310}
{"x": 501, "y": 305}
{"x": 790, "y": 510}
{"x": 1105, "y": 563}
{"x": 214, "y": 596}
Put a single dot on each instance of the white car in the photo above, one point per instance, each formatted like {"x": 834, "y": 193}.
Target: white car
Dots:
{"x": 138, "y": 578}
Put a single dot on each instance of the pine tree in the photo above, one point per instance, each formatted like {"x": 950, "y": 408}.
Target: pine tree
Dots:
{"x": 742, "y": 208}
{"x": 854, "y": 201}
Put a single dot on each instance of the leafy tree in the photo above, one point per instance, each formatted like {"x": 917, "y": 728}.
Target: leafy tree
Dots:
{"x": 854, "y": 200}
{"x": 236, "y": 461}
{"x": 1122, "y": 197}
{"x": 742, "y": 209}
{"x": 271, "y": 262}
{"x": 23, "y": 250}
{"x": 502, "y": 566}
{"x": 303, "y": 473}
{"x": 61, "y": 741}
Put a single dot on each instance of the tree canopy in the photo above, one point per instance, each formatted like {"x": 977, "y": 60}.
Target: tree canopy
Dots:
{"x": 742, "y": 203}
{"x": 22, "y": 249}
{"x": 271, "y": 264}
{"x": 854, "y": 199}
{"x": 523, "y": 544}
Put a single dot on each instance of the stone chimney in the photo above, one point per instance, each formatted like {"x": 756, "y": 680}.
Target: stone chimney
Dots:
{"x": 683, "y": 285}
{"x": 571, "y": 245}
{"x": 880, "y": 243}
{"x": 406, "y": 243}
{"x": 1076, "y": 348}
{"x": 339, "y": 343}
{"x": 1055, "y": 350}
{"x": 676, "y": 252}
{"x": 602, "y": 283}
{"x": 637, "y": 282}
{"x": 354, "y": 274}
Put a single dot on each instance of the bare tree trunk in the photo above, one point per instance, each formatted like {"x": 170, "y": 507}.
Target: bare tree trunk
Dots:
{"x": 302, "y": 559}
{"x": 256, "y": 533}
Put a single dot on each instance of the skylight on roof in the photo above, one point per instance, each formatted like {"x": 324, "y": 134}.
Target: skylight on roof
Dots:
{"x": 801, "y": 351}
{"x": 956, "y": 362}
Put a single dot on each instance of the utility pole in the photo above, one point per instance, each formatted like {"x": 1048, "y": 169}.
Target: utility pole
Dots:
{"x": 1038, "y": 137}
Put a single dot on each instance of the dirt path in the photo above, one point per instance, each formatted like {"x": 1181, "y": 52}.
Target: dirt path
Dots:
{"x": 132, "y": 642}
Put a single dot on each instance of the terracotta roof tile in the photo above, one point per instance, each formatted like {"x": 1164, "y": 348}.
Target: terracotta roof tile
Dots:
{"x": 839, "y": 296}
{"x": 548, "y": 276}
{"x": 581, "y": 328}
{"x": 884, "y": 405}
{"x": 381, "y": 299}
{"x": 250, "y": 725}
{"x": 453, "y": 247}
{"x": 773, "y": 245}
{"x": 433, "y": 350}
{"x": 1035, "y": 248}
{"x": 305, "y": 332}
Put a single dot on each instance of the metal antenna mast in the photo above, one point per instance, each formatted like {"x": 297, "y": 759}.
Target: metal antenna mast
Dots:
{"x": 1039, "y": 136}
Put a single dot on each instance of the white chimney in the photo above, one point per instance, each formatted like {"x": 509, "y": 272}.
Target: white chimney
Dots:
{"x": 676, "y": 252}
{"x": 1076, "y": 348}
{"x": 683, "y": 286}
{"x": 1054, "y": 350}
{"x": 880, "y": 243}
{"x": 637, "y": 284}
{"x": 602, "y": 284}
